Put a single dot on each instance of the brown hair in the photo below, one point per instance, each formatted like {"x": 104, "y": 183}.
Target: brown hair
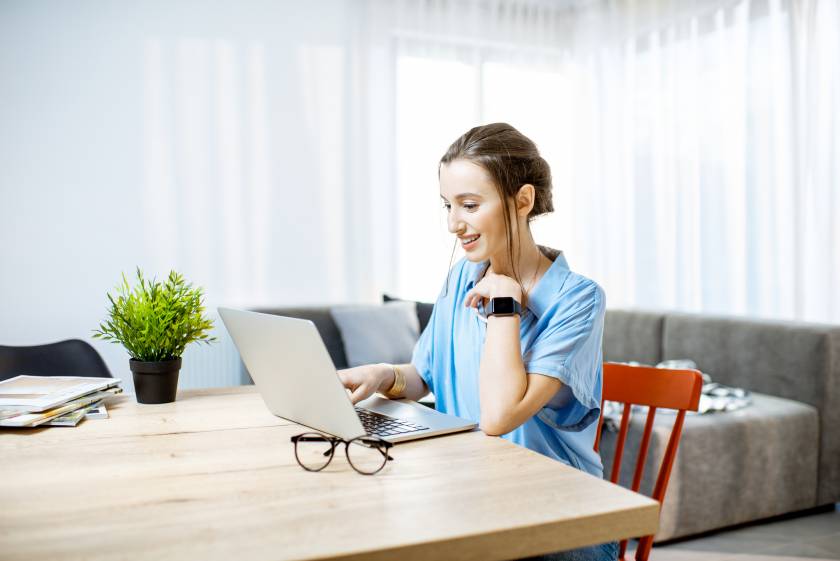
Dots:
{"x": 512, "y": 160}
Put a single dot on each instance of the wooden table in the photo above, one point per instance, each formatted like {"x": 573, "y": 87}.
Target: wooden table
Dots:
{"x": 213, "y": 476}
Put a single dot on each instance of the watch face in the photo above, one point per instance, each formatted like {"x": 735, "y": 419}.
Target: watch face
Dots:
{"x": 503, "y": 306}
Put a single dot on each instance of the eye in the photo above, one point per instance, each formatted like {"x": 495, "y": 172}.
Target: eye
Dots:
{"x": 447, "y": 206}
{"x": 470, "y": 206}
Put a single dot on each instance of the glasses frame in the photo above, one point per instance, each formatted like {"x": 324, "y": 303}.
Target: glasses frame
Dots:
{"x": 368, "y": 440}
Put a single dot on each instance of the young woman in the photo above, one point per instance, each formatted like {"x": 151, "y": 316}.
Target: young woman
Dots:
{"x": 514, "y": 340}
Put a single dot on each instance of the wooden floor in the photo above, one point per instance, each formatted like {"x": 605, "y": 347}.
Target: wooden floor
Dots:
{"x": 807, "y": 537}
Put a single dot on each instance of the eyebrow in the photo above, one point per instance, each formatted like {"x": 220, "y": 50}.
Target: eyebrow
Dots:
{"x": 464, "y": 196}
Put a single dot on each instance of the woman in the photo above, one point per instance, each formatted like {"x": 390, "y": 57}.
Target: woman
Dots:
{"x": 514, "y": 340}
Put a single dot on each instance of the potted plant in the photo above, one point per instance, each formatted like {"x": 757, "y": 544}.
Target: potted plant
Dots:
{"x": 154, "y": 322}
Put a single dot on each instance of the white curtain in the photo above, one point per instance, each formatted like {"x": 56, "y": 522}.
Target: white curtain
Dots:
{"x": 227, "y": 141}
{"x": 286, "y": 154}
{"x": 695, "y": 146}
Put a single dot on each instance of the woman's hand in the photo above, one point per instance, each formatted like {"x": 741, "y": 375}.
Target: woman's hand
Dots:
{"x": 364, "y": 381}
{"x": 493, "y": 286}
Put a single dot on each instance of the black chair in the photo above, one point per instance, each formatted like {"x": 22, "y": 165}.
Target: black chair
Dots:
{"x": 72, "y": 357}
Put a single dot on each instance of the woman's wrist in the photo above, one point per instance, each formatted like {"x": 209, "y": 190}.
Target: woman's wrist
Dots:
{"x": 386, "y": 377}
{"x": 509, "y": 289}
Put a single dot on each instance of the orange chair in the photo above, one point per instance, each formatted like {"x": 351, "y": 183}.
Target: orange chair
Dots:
{"x": 654, "y": 387}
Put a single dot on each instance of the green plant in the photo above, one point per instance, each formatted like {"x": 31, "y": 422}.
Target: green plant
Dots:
{"x": 154, "y": 321}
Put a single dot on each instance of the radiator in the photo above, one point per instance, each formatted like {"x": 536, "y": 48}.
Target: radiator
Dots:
{"x": 215, "y": 365}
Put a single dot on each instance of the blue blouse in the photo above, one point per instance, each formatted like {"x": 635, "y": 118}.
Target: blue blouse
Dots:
{"x": 560, "y": 336}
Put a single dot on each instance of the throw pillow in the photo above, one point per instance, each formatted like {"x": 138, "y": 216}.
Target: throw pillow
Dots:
{"x": 373, "y": 333}
{"x": 424, "y": 309}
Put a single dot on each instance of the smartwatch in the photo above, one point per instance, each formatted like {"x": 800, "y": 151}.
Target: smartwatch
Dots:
{"x": 504, "y": 306}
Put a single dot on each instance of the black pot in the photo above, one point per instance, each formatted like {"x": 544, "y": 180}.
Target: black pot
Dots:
{"x": 155, "y": 382}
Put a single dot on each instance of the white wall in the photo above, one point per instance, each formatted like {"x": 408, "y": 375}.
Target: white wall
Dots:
{"x": 209, "y": 137}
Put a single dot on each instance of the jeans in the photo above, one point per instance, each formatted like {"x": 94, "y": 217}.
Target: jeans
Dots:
{"x": 602, "y": 552}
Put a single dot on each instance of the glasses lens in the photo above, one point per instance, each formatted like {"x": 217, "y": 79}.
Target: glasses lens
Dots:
{"x": 367, "y": 455}
{"x": 313, "y": 451}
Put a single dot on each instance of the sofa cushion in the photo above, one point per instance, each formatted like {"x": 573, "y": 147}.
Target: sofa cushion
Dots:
{"x": 633, "y": 336}
{"x": 424, "y": 309}
{"x": 793, "y": 360}
{"x": 373, "y": 334}
{"x": 730, "y": 468}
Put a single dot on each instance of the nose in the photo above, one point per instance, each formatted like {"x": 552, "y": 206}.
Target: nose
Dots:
{"x": 454, "y": 223}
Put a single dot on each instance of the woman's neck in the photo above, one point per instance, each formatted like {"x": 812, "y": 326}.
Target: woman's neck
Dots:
{"x": 529, "y": 262}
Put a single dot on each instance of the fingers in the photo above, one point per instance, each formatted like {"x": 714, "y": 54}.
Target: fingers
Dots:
{"x": 364, "y": 391}
{"x": 473, "y": 299}
{"x": 484, "y": 289}
{"x": 346, "y": 379}
{"x": 361, "y": 381}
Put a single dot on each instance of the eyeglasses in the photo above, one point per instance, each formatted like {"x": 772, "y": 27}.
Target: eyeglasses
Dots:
{"x": 367, "y": 454}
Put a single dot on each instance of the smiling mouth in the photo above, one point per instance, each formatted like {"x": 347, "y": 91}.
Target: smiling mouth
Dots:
{"x": 468, "y": 241}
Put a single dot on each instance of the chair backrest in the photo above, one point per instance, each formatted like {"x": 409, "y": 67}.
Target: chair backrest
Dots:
{"x": 72, "y": 357}
{"x": 655, "y": 388}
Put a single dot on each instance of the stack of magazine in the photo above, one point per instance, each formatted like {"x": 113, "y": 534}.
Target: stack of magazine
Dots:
{"x": 31, "y": 401}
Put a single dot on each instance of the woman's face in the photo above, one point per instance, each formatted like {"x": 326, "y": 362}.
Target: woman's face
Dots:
{"x": 475, "y": 212}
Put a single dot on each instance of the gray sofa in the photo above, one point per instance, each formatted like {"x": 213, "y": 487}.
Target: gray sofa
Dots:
{"x": 779, "y": 455}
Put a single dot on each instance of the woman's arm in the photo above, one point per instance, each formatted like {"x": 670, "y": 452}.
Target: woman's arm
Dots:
{"x": 363, "y": 381}
{"x": 509, "y": 395}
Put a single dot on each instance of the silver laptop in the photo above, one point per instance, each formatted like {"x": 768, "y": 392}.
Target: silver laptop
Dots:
{"x": 293, "y": 372}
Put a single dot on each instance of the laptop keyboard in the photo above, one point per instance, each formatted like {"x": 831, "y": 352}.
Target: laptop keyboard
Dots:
{"x": 383, "y": 425}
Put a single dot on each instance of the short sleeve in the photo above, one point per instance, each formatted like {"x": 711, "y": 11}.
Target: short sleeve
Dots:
{"x": 423, "y": 355}
{"x": 426, "y": 351}
{"x": 568, "y": 348}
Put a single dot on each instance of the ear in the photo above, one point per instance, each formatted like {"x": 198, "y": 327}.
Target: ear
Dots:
{"x": 525, "y": 199}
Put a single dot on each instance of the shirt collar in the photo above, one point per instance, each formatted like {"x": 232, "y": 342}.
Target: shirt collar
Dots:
{"x": 548, "y": 286}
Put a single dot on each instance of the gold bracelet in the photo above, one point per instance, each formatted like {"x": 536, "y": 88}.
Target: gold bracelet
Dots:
{"x": 396, "y": 390}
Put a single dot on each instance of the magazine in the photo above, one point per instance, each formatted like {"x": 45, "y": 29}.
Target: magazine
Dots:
{"x": 40, "y": 393}
{"x": 33, "y": 419}
{"x": 6, "y": 413}
{"x": 70, "y": 419}
{"x": 73, "y": 418}
{"x": 97, "y": 412}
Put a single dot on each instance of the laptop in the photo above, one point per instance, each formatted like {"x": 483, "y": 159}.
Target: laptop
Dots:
{"x": 297, "y": 379}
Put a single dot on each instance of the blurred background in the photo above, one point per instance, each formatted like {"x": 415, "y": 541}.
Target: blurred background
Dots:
{"x": 285, "y": 153}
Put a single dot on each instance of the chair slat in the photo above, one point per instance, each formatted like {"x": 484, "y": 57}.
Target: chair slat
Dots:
{"x": 600, "y": 427}
{"x": 668, "y": 460}
{"x": 622, "y": 437}
{"x": 643, "y": 449}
